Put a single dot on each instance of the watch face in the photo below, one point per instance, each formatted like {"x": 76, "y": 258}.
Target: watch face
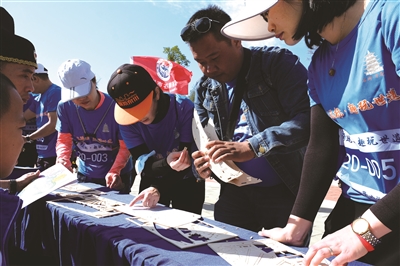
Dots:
{"x": 360, "y": 226}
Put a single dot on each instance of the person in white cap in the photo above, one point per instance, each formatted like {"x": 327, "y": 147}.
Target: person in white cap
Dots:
{"x": 257, "y": 100}
{"x": 354, "y": 87}
{"x": 86, "y": 121}
{"x": 44, "y": 109}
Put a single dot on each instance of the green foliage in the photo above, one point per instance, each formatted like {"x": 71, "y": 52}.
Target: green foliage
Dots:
{"x": 175, "y": 55}
{"x": 192, "y": 94}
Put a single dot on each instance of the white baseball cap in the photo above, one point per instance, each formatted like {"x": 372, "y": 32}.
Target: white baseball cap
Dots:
{"x": 250, "y": 26}
{"x": 76, "y": 76}
{"x": 41, "y": 69}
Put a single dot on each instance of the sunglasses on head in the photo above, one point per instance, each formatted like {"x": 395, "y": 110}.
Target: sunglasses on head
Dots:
{"x": 201, "y": 25}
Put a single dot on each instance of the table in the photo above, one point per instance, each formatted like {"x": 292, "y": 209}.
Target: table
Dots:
{"x": 67, "y": 237}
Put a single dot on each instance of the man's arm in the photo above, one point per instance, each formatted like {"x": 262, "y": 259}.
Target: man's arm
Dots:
{"x": 64, "y": 149}
{"x": 46, "y": 129}
{"x": 113, "y": 178}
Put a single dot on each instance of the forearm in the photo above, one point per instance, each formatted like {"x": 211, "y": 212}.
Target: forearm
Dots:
{"x": 44, "y": 131}
{"x": 121, "y": 159}
{"x": 315, "y": 181}
{"x": 64, "y": 148}
{"x": 387, "y": 209}
{"x": 319, "y": 166}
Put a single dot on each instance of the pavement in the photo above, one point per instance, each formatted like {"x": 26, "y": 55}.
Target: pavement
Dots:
{"x": 212, "y": 192}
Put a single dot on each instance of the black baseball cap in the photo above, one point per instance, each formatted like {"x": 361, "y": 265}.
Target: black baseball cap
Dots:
{"x": 132, "y": 88}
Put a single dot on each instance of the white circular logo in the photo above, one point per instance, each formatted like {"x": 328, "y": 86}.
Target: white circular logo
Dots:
{"x": 163, "y": 68}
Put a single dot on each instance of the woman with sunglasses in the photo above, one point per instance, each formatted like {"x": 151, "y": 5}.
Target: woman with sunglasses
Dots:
{"x": 354, "y": 87}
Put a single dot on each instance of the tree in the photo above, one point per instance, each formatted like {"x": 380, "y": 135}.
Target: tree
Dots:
{"x": 175, "y": 55}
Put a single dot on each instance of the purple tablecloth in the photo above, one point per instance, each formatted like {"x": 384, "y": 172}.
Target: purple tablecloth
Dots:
{"x": 73, "y": 238}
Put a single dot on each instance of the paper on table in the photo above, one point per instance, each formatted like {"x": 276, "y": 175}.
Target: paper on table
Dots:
{"x": 78, "y": 188}
{"x": 48, "y": 181}
{"x": 160, "y": 215}
{"x": 195, "y": 234}
{"x": 251, "y": 253}
{"x": 227, "y": 171}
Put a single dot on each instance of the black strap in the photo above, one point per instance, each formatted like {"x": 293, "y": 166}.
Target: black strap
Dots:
{"x": 93, "y": 135}
{"x": 238, "y": 95}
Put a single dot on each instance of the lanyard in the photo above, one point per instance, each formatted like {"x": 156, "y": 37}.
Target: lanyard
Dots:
{"x": 93, "y": 135}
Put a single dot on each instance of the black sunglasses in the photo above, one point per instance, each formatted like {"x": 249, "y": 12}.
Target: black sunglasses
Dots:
{"x": 201, "y": 25}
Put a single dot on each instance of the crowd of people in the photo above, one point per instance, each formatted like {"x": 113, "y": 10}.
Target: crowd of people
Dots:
{"x": 292, "y": 129}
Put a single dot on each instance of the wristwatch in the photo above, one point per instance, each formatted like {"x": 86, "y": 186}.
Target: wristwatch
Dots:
{"x": 360, "y": 226}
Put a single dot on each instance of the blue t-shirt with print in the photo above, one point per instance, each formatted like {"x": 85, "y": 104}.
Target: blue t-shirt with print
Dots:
{"x": 45, "y": 103}
{"x": 363, "y": 98}
{"x": 96, "y": 150}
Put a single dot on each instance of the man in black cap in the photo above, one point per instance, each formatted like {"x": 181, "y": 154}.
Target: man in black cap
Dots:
{"x": 17, "y": 57}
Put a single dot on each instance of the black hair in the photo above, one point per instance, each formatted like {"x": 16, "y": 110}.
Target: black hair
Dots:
{"x": 212, "y": 12}
{"x": 5, "y": 87}
{"x": 316, "y": 15}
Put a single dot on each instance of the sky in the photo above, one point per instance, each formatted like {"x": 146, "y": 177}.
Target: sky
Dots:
{"x": 107, "y": 33}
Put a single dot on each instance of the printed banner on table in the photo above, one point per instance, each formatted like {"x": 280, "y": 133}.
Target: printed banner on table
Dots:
{"x": 170, "y": 76}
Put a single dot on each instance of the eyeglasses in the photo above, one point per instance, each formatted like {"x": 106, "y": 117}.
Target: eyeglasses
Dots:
{"x": 201, "y": 25}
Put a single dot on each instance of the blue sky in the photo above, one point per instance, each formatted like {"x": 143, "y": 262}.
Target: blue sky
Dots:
{"x": 107, "y": 33}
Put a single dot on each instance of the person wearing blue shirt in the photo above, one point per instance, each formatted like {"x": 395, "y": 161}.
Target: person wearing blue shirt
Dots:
{"x": 354, "y": 88}
{"x": 44, "y": 109}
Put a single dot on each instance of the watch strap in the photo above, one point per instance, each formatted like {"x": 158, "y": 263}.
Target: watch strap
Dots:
{"x": 13, "y": 187}
{"x": 368, "y": 240}
{"x": 365, "y": 243}
{"x": 371, "y": 239}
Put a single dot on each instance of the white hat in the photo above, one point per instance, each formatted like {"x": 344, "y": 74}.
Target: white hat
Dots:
{"x": 250, "y": 26}
{"x": 41, "y": 69}
{"x": 75, "y": 75}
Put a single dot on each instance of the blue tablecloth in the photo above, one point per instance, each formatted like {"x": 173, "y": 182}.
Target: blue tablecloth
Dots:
{"x": 72, "y": 238}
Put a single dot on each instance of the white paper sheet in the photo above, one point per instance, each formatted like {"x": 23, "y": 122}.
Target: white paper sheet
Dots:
{"x": 161, "y": 215}
{"x": 196, "y": 234}
{"x": 226, "y": 171}
{"x": 249, "y": 253}
{"x": 48, "y": 181}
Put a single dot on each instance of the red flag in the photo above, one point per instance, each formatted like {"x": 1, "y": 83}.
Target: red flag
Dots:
{"x": 169, "y": 76}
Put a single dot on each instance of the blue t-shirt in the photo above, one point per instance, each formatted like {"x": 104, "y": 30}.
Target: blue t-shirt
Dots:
{"x": 45, "y": 103}
{"x": 363, "y": 98}
{"x": 164, "y": 136}
{"x": 95, "y": 154}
